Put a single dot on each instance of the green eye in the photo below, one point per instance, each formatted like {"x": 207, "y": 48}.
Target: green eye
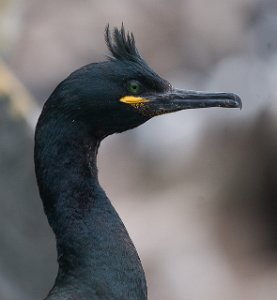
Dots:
{"x": 134, "y": 87}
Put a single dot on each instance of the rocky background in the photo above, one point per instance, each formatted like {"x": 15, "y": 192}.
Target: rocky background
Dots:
{"x": 197, "y": 190}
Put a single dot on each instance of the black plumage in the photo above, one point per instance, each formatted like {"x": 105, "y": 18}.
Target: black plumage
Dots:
{"x": 96, "y": 257}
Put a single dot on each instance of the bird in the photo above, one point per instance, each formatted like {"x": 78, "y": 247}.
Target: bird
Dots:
{"x": 96, "y": 257}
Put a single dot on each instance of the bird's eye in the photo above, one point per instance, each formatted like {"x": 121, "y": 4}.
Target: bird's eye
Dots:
{"x": 134, "y": 87}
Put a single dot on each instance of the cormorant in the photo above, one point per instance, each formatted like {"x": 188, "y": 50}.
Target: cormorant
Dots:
{"x": 96, "y": 257}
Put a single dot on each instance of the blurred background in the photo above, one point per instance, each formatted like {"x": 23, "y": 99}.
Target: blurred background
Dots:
{"x": 197, "y": 190}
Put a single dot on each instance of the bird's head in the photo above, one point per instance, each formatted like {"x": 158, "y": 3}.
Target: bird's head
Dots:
{"x": 124, "y": 92}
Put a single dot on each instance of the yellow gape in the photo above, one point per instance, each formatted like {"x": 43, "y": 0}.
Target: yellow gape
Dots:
{"x": 134, "y": 101}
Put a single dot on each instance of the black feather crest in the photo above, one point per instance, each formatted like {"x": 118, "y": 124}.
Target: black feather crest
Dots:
{"x": 121, "y": 45}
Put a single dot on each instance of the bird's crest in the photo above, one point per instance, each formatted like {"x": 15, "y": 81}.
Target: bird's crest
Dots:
{"x": 121, "y": 45}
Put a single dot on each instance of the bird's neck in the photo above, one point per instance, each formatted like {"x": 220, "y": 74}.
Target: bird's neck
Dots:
{"x": 94, "y": 248}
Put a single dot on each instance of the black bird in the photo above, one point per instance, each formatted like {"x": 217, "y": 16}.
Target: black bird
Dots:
{"x": 96, "y": 257}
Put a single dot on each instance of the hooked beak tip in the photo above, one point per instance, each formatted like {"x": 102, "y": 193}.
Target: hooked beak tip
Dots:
{"x": 235, "y": 101}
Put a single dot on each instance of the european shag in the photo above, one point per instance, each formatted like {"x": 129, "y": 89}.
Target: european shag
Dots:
{"x": 96, "y": 257}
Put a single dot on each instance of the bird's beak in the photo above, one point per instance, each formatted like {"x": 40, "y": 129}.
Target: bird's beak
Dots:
{"x": 176, "y": 99}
